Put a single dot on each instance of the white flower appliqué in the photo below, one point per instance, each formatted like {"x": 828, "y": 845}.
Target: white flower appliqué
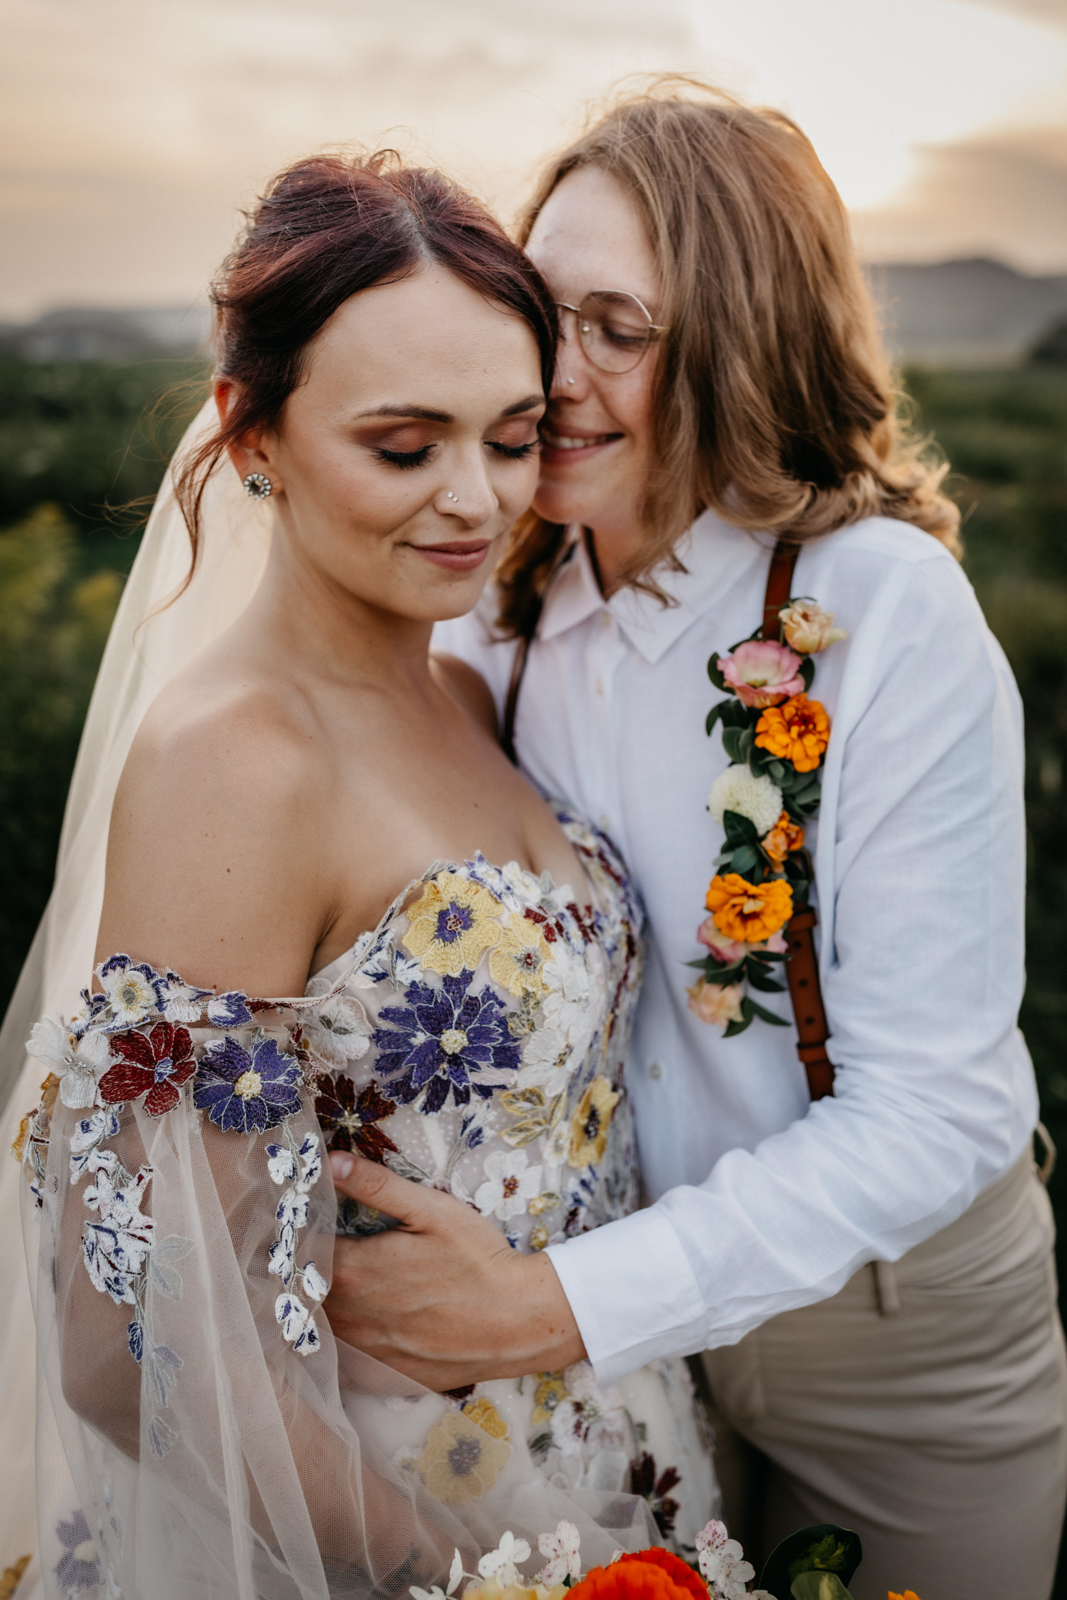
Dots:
{"x": 509, "y": 1184}
{"x": 299, "y": 1167}
{"x": 77, "y": 1063}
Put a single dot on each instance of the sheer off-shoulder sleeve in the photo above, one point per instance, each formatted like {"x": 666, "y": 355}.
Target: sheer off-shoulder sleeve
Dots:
{"x": 201, "y": 1431}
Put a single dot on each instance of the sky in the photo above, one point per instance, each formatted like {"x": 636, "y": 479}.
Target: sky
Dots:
{"x": 133, "y": 131}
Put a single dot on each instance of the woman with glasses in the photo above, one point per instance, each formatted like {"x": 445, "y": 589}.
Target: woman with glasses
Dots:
{"x": 846, "y": 1219}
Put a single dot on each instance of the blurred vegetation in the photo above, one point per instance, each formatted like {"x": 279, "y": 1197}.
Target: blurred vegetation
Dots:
{"x": 75, "y": 437}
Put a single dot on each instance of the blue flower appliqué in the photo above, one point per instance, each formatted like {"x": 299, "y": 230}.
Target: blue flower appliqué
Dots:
{"x": 441, "y": 1039}
{"x": 244, "y": 1093}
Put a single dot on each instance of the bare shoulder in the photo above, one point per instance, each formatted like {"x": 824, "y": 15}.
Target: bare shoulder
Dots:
{"x": 467, "y": 686}
{"x": 213, "y": 855}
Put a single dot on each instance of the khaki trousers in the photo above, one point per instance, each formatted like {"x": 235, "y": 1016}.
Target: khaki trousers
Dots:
{"x": 924, "y": 1406}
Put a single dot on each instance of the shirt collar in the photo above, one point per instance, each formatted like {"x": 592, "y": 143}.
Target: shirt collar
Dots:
{"x": 715, "y": 554}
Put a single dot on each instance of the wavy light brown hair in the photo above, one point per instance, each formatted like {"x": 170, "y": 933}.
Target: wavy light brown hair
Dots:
{"x": 773, "y": 401}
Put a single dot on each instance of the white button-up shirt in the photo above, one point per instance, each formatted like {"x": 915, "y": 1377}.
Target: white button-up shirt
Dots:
{"x": 763, "y": 1201}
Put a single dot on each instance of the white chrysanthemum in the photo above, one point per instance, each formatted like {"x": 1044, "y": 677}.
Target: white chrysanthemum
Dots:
{"x": 338, "y": 1031}
{"x": 740, "y": 790}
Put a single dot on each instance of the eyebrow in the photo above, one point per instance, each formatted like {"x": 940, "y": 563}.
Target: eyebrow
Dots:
{"x": 427, "y": 414}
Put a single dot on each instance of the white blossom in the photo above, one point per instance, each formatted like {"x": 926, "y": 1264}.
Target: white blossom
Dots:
{"x": 510, "y": 1184}
{"x": 78, "y": 1063}
{"x": 738, "y": 789}
{"x": 338, "y": 1031}
{"x": 502, "y": 1563}
{"x": 548, "y": 1060}
{"x": 722, "y": 1564}
{"x": 563, "y": 1550}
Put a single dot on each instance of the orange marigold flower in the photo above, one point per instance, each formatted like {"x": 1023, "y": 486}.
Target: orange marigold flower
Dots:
{"x": 675, "y": 1568}
{"x": 634, "y": 1578}
{"x": 909, "y": 1594}
{"x": 798, "y": 732}
{"x": 749, "y": 912}
{"x": 786, "y": 835}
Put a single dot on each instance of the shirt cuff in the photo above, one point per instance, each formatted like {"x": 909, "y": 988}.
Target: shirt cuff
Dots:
{"x": 633, "y": 1292}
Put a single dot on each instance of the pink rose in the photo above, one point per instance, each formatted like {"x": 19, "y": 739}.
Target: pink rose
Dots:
{"x": 808, "y": 628}
{"x": 762, "y": 673}
{"x": 727, "y": 951}
{"x": 715, "y": 1002}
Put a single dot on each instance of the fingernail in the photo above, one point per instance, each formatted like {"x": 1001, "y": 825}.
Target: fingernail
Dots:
{"x": 340, "y": 1164}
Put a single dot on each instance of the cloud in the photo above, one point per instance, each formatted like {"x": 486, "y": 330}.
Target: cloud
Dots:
{"x": 1000, "y": 196}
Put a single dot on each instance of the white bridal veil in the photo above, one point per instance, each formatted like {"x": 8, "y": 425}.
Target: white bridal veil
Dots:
{"x": 286, "y": 1484}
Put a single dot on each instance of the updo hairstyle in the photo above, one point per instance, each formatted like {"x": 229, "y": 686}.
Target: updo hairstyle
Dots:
{"x": 326, "y": 228}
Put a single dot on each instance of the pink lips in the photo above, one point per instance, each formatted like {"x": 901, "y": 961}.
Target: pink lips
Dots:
{"x": 457, "y": 555}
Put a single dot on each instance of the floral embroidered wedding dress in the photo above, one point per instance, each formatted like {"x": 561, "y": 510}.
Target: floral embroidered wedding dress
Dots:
{"x": 218, "y": 1440}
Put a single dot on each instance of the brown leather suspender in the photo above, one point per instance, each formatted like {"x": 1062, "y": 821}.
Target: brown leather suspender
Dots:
{"x": 802, "y": 968}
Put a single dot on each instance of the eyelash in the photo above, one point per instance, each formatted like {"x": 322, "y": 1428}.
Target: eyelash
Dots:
{"x": 405, "y": 459}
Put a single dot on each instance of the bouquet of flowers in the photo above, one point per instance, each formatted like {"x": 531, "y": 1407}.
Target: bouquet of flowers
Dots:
{"x": 814, "y": 1564}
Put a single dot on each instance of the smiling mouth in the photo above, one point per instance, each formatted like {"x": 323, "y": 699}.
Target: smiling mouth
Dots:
{"x": 460, "y": 555}
{"x": 567, "y": 441}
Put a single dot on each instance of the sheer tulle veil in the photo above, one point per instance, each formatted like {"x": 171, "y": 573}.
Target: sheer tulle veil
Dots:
{"x": 149, "y": 642}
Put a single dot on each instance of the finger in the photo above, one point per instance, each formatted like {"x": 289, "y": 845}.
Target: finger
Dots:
{"x": 377, "y": 1187}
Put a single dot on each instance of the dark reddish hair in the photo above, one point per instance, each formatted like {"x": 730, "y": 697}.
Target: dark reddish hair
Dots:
{"x": 325, "y": 229}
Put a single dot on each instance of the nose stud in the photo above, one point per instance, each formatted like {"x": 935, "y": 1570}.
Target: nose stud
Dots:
{"x": 570, "y": 380}
{"x": 451, "y": 496}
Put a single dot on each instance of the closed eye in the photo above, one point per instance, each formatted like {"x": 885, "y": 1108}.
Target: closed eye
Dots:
{"x": 515, "y": 452}
{"x": 405, "y": 458}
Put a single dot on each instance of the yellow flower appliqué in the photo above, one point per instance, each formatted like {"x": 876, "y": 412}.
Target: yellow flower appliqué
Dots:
{"x": 461, "y": 1459}
{"x": 452, "y": 924}
{"x": 517, "y": 960}
{"x": 547, "y": 1396}
{"x": 590, "y": 1123}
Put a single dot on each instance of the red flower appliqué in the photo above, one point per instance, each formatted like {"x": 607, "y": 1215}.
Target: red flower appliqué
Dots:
{"x": 158, "y": 1063}
{"x": 349, "y": 1120}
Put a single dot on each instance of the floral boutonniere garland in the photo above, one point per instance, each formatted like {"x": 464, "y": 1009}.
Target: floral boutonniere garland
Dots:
{"x": 776, "y": 739}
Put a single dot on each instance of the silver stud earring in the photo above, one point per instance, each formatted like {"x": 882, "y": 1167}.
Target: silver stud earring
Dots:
{"x": 258, "y": 486}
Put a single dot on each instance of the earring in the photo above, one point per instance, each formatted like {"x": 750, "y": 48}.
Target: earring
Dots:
{"x": 257, "y": 486}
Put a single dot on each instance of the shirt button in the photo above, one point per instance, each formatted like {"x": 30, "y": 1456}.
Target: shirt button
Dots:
{"x": 655, "y": 1070}
{"x": 599, "y": 686}
{"x": 607, "y": 620}
{"x": 604, "y": 822}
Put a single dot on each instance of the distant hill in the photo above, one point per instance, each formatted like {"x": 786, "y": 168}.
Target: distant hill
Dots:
{"x": 965, "y": 313}
{"x": 953, "y": 313}
{"x": 90, "y": 333}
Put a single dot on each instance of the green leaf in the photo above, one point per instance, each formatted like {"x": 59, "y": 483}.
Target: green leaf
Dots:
{"x": 764, "y": 1015}
{"x": 746, "y": 742}
{"x": 807, "y": 672}
{"x": 765, "y": 985}
{"x": 732, "y": 1029}
{"x": 739, "y": 828}
{"x": 714, "y": 714}
{"x": 724, "y": 975}
{"x": 824, "y": 1547}
{"x": 714, "y": 674}
{"x": 818, "y": 1586}
{"x": 744, "y": 859}
{"x": 731, "y": 743}
{"x": 775, "y": 769}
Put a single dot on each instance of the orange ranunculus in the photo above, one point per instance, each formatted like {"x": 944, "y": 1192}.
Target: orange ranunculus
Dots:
{"x": 750, "y": 912}
{"x": 798, "y": 732}
{"x": 674, "y": 1567}
{"x": 634, "y": 1578}
{"x": 786, "y": 835}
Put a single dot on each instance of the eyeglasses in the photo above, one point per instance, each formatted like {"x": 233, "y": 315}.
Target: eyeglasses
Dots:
{"x": 614, "y": 328}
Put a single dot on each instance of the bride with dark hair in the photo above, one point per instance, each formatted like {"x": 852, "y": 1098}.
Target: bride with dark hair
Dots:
{"x": 334, "y": 918}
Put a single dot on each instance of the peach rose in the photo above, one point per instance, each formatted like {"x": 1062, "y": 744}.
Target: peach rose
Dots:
{"x": 808, "y": 628}
{"x": 727, "y": 951}
{"x": 762, "y": 673}
{"x": 715, "y": 1002}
